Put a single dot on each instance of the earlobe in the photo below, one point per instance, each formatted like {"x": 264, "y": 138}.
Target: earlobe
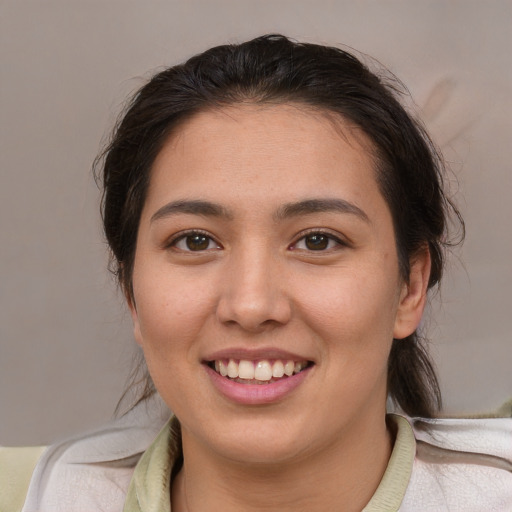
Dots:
{"x": 413, "y": 296}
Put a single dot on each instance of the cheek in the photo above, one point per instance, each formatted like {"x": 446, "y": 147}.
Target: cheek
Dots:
{"x": 171, "y": 319}
{"x": 355, "y": 306}
{"x": 171, "y": 311}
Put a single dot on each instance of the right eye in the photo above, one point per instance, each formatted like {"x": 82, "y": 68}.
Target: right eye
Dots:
{"x": 194, "y": 242}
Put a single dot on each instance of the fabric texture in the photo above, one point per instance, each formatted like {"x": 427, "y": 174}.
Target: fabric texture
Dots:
{"x": 436, "y": 465}
{"x": 91, "y": 473}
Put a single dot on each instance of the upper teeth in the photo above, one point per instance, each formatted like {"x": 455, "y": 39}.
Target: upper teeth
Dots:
{"x": 262, "y": 370}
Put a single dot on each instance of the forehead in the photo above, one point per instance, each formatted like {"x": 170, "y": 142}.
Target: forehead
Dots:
{"x": 259, "y": 121}
{"x": 280, "y": 150}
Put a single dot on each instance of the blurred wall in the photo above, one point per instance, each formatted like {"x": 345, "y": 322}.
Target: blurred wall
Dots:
{"x": 66, "y": 66}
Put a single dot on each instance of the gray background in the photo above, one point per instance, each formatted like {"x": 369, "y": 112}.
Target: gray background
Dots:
{"x": 66, "y": 66}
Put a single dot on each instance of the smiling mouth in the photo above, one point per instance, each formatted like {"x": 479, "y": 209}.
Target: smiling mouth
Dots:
{"x": 262, "y": 371}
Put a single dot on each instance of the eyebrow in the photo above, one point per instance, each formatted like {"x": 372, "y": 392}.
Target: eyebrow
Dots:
{"x": 311, "y": 206}
{"x": 194, "y": 207}
{"x": 295, "y": 209}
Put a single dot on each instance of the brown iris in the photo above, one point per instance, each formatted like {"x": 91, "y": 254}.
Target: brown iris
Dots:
{"x": 197, "y": 242}
{"x": 317, "y": 242}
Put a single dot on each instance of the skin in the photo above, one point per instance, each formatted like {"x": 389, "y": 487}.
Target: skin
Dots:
{"x": 256, "y": 284}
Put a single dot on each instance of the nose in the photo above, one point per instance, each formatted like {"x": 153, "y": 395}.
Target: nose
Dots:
{"x": 253, "y": 292}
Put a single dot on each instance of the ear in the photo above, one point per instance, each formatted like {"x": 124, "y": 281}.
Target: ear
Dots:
{"x": 130, "y": 301}
{"x": 413, "y": 295}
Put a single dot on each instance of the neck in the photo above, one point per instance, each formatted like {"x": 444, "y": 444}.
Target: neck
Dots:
{"x": 347, "y": 473}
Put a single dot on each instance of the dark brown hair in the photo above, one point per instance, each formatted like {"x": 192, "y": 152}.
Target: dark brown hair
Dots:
{"x": 274, "y": 69}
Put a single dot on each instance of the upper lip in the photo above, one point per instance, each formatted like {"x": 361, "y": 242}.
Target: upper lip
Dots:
{"x": 254, "y": 354}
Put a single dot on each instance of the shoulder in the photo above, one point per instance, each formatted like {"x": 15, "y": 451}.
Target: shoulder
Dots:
{"x": 93, "y": 471}
{"x": 461, "y": 464}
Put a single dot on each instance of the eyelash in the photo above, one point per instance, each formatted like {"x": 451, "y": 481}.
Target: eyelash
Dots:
{"x": 328, "y": 235}
{"x": 173, "y": 242}
{"x": 182, "y": 237}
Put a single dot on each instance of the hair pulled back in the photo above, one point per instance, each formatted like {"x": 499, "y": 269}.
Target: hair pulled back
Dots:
{"x": 273, "y": 69}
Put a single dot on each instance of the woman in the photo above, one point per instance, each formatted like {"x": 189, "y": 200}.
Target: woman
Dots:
{"x": 276, "y": 219}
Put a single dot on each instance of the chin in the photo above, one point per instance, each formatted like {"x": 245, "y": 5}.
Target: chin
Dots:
{"x": 259, "y": 440}
{"x": 266, "y": 452}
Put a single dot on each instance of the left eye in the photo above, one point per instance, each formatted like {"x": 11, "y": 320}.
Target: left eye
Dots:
{"x": 316, "y": 242}
{"x": 195, "y": 242}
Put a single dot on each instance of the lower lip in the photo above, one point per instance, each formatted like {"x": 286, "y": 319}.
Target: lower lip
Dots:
{"x": 256, "y": 394}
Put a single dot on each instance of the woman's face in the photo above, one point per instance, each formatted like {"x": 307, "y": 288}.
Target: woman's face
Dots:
{"x": 265, "y": 248}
